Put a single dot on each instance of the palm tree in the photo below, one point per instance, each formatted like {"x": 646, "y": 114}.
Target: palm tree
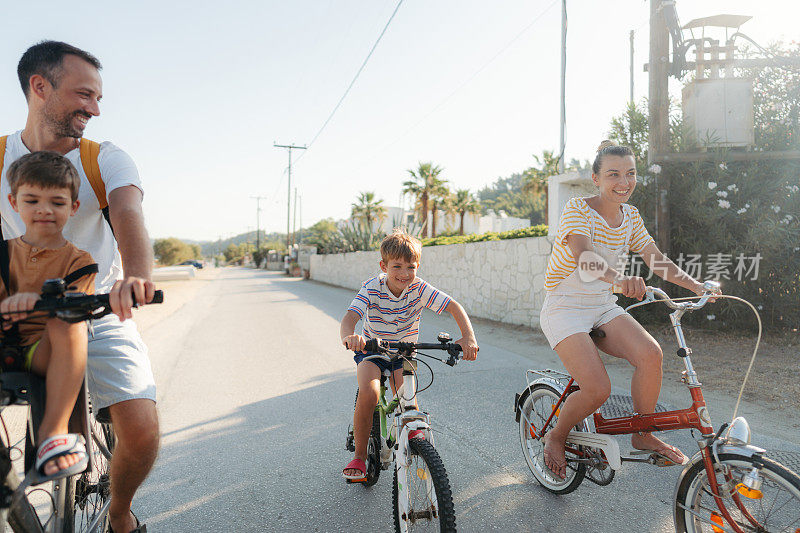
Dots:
{"x": 462, "y": 203}
{"x": 439, "y": 198}
{"x": 535, "y": 179}
{"x": 367, "y": 209}
{"x": 424, "y": 186}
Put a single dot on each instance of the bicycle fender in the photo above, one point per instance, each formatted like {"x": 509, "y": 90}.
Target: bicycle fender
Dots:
{"x": 402, "y": 451}
{"x": 520, "y": 397}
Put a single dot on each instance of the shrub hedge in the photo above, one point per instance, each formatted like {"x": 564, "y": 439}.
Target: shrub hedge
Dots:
{"x": 532, "y": 231}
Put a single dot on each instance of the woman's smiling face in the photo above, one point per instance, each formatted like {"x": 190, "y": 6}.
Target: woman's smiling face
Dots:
{"x": 617, "y": 178}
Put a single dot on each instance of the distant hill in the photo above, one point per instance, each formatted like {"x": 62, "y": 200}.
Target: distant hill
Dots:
{"x": 212, "y": 248}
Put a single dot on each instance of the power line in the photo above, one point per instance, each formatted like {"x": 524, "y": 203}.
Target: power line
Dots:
{"x": 470, "y": 79}
{"x": 364, "y": 64}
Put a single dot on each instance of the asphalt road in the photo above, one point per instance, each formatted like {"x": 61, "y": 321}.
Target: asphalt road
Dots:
{"x": 255, "y": 396}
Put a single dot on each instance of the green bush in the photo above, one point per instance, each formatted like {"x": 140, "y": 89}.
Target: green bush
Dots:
{"x": 533, "y": 231}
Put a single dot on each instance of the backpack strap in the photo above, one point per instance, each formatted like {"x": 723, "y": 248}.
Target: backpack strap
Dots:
{"x": 74, "y": 276}
{"x": 5, "y": 259}
{"x": 90, "y": 151}
{"x": 3, "y": 140}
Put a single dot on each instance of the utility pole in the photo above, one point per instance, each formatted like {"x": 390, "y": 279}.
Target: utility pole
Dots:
{"x": 631, "y": 66}
{"x": 562, "y": 141}
{"x": 658, "y": 111}
{"x": 294, "y": 221}
{"x": 289, "y": 147}
{"x": 301, "y": 220}
{"x": 258, "y": 219}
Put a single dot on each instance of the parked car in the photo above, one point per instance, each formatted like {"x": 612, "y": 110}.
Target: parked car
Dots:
{"x": 194, "y": 263}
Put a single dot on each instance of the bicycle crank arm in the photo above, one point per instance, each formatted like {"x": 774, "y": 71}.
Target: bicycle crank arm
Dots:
{"x": 596, "y": 440}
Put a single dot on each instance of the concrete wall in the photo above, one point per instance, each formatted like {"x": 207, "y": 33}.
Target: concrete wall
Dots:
{"x": 563, "y": 187}
{"x": 498, "y": 280}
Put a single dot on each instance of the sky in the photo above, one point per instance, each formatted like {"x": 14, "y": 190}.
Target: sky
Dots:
{"x": 197, "y": 93}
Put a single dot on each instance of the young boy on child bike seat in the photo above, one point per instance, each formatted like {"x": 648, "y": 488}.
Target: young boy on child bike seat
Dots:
{"x": 44, "y": 191}
{"x": 588, "y": 258}
{"x": 390, "y": 305}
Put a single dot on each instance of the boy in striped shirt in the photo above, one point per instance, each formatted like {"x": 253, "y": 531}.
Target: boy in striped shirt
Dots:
{"x": 390, "y": 305}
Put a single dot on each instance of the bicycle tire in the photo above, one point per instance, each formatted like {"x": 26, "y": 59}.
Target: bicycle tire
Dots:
{"x": 373, "y": 451}
{"x": 87, "y": 493}
{"x": 425, "y": 462}
{"x": 780, "y": 494}
{"x": 535, "y": 405}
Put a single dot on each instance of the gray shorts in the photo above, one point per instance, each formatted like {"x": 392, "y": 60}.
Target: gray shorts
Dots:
{"x": 119, "y": 367}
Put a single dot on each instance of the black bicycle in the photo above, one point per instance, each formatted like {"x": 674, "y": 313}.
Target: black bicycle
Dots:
{"x": 78, "y": 503}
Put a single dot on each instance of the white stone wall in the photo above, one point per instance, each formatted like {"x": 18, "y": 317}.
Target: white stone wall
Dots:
{"x": 498, "y": 280}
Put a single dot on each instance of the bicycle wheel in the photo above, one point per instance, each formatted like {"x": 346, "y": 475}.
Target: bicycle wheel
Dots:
{"x": 775, "y": 508}
{"x": 88, "y": 495}
{"x": 535, "y": 408}
{"x": 430, "y": 500}
{"x": 374, "y": 451}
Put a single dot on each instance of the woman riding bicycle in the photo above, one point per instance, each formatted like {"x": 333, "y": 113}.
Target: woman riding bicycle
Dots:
{"x": 586, "y": 266}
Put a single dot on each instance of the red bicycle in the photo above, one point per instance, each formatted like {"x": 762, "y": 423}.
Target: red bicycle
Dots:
{"x": 729, "y": 484}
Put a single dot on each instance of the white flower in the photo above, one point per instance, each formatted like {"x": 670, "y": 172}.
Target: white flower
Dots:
{"x": 725, "y": 204}
{"x": 722, "y": 194}
{"x": 733, "y": 188}
{"x": 789, "y": 217}
{"x": 712, "y": 185}
{"x": 797, "y": 249}
{"x": 760, "y": 307}
{"x": 655, "y": 169}
{"x": 711, "y": 317}
{"x": 744, "y": 174}
{"x": 776, "y": 208}
{"x": 645, "y": 179}
{"x": 742, "y": 210}
{"x": 747, "y": 206}
{"x": 792, "y": 188}
{"x": 723, "y": 166}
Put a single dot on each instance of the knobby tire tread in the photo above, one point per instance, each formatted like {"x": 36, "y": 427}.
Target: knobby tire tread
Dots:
{"x": 441, "y": 484}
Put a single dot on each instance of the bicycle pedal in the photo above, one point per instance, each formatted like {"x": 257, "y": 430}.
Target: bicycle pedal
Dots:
{"x": 654, "y": 458}
{"x": 362, "y": 480}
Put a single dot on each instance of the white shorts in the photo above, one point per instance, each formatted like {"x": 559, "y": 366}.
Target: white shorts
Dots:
{"x": 567, "y": 314}
{"x": 118, "y": 367}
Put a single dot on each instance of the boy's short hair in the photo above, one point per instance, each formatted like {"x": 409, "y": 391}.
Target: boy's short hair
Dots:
{"x": 47, "y": 170}
{"x": 400, "y": 245}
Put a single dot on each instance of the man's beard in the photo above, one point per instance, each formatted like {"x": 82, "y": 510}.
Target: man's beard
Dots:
{"x": 61, "y": 124}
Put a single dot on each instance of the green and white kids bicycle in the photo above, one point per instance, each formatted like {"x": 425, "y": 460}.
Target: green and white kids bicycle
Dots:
{"x": 421, "y": 491}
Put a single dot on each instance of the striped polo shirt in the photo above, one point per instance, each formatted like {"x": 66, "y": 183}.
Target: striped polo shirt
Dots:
{"x": 395, "y": 318}
{"x": 577, "y": 219}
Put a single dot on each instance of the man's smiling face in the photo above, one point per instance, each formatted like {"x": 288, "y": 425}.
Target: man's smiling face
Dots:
{"x": 74, "y": 99}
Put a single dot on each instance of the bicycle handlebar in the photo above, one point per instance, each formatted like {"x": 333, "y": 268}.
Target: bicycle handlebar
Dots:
{"x": 77, "y": 307}
{"x": 408, "y": 348}
{"x": 652, "y": 294}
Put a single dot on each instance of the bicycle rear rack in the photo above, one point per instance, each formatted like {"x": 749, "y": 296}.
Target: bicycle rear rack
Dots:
{"x": 562, "y": 378}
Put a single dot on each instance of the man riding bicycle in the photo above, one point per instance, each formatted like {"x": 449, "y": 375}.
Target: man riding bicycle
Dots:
{"x": 63, "y": 89}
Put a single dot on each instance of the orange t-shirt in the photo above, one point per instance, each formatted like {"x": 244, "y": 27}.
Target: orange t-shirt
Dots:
{"x": 30, "y": 267}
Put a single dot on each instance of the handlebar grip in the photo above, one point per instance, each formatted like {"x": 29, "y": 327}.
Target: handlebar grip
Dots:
{"x": 158, "y": 297}
{"x": 371, "y": 346}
